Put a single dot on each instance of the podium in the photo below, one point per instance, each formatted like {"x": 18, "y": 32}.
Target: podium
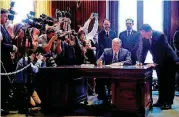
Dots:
{"x": 131, "y": 86}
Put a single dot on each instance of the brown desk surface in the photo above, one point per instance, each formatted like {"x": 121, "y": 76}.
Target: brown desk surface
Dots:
{"x": 92, "y": 71}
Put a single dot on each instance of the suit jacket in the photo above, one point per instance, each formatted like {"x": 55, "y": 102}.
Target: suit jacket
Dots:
{"x": 129, "y": 43}
{"x": 123, "y": 56}
{"x": 160, "y": 49}
{"x": 104, "y": 41}
{"x": 6, "y": 48}
{"x": 126, "y": 40}
{"x": 176, "y": 42}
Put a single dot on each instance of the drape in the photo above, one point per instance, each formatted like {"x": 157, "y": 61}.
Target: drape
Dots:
{"x": 5, "y": 4}
{"x": 113, "y": 15}
{"x": 43, "y": 7}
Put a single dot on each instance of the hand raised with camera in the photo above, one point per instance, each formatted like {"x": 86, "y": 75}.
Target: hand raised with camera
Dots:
{"x": 54, "y": 38}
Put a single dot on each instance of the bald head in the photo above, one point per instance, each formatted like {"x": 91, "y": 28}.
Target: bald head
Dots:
{"x": 116, "y": 44}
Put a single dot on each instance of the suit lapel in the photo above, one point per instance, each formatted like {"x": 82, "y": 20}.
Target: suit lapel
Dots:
{"x": 120, "y": 55}
{"x": 111, "y": 56}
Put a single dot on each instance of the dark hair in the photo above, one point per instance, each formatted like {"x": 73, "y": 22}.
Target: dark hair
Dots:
{"x": 105, "y": 19}
{"x": 4, "y": 11}
{"x": 130, "y": 20}
{"x": 50, "y": 29}
{"x": 81, "y": 32}
{"x": 146, "y": 27}
{"x": 17, "y": 28}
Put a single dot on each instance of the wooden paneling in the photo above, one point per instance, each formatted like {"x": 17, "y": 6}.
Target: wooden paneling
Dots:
{"x": 80, "y": 15}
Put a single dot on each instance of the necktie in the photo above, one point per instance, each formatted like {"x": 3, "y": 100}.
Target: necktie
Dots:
{"x": 107, "y": 34}
{"x": 128, "y": 33}
{"x": 115, "y": 58}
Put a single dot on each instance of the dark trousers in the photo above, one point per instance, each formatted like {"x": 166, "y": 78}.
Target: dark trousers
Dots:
{"x": 6, "y": 84}
{"x": 100, "y": 88}
{"x": 177, "y": 77}
{"x": 166, "y": 80}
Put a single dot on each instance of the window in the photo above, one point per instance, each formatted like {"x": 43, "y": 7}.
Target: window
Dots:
{"x": 127, "y": 9}
{"x": 22, "y": 8}
{"x": 153, "y": 15}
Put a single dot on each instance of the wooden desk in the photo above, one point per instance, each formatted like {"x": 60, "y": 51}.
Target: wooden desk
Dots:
{"x": 131, "y": 86}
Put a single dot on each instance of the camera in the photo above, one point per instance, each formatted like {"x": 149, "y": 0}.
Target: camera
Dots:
{"x": 74, "y": 33}
{"x": 46, "y": 20}
{"x": 33, "y": 23}
{"x": 58, "y": 13}
{"x": 62, "y": 14}
{"x": 95, "y": 15}
{"x": 11, "y": 12}
{"x": 40, "y": 22}
{"x": 50, "y": 60}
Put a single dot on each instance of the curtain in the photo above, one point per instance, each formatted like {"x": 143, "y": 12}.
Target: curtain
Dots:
{"x": 5, "y": 4}
{"x": 167, "y": 19}
{"x": 43, "y": 7}
{"x": 113, "y": 15}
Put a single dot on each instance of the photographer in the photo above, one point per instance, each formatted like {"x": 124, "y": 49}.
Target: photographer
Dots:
{"x": 88, "y": 48}
{"x": 25, "y": 79}
{"x": 47, "y": 40}
{"x": 91, "y": 30}
{"x": 72, "y": 49}
{"x": 50, "y": 45}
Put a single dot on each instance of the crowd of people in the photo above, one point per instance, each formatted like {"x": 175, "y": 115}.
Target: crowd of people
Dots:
{"x": 22, "y": 45}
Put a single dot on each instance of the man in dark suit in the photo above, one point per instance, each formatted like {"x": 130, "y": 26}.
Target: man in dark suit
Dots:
{"x": 127, "y": 38}
{"x": 176, "y": 45}
{"x": 164, "y": 59}
{"x": 111, "y": 56}
{"x": 105, "y": 38}
{"x": 6, "y": 62}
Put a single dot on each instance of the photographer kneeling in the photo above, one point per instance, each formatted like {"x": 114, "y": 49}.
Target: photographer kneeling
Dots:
{"x": 24, "y": 80}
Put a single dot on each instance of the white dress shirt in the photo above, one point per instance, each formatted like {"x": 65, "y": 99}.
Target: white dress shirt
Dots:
{"x": 93, "y": 32}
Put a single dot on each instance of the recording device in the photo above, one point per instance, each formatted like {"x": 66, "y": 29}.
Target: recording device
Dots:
{"x": 60, "y": 14}
{"x": 95, "y": 15}
{"x": 40, "y": 22}
{"x": 50, "y": 60}
{"x": 32, "y": 13}
{"x": 62, "y": 36}
{"x": 11, "y": 12}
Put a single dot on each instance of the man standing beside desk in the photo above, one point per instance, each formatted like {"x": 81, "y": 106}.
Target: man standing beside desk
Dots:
{"x": 165, "y": 59}
{"x": 111, "y": 56}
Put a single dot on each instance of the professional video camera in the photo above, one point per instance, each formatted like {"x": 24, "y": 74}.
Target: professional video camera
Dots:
{"x": 33, "y": 22}
{"x": 11, "y": 11}
{"x": 40, "y": 22}
{"x": 46, "y": 19}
